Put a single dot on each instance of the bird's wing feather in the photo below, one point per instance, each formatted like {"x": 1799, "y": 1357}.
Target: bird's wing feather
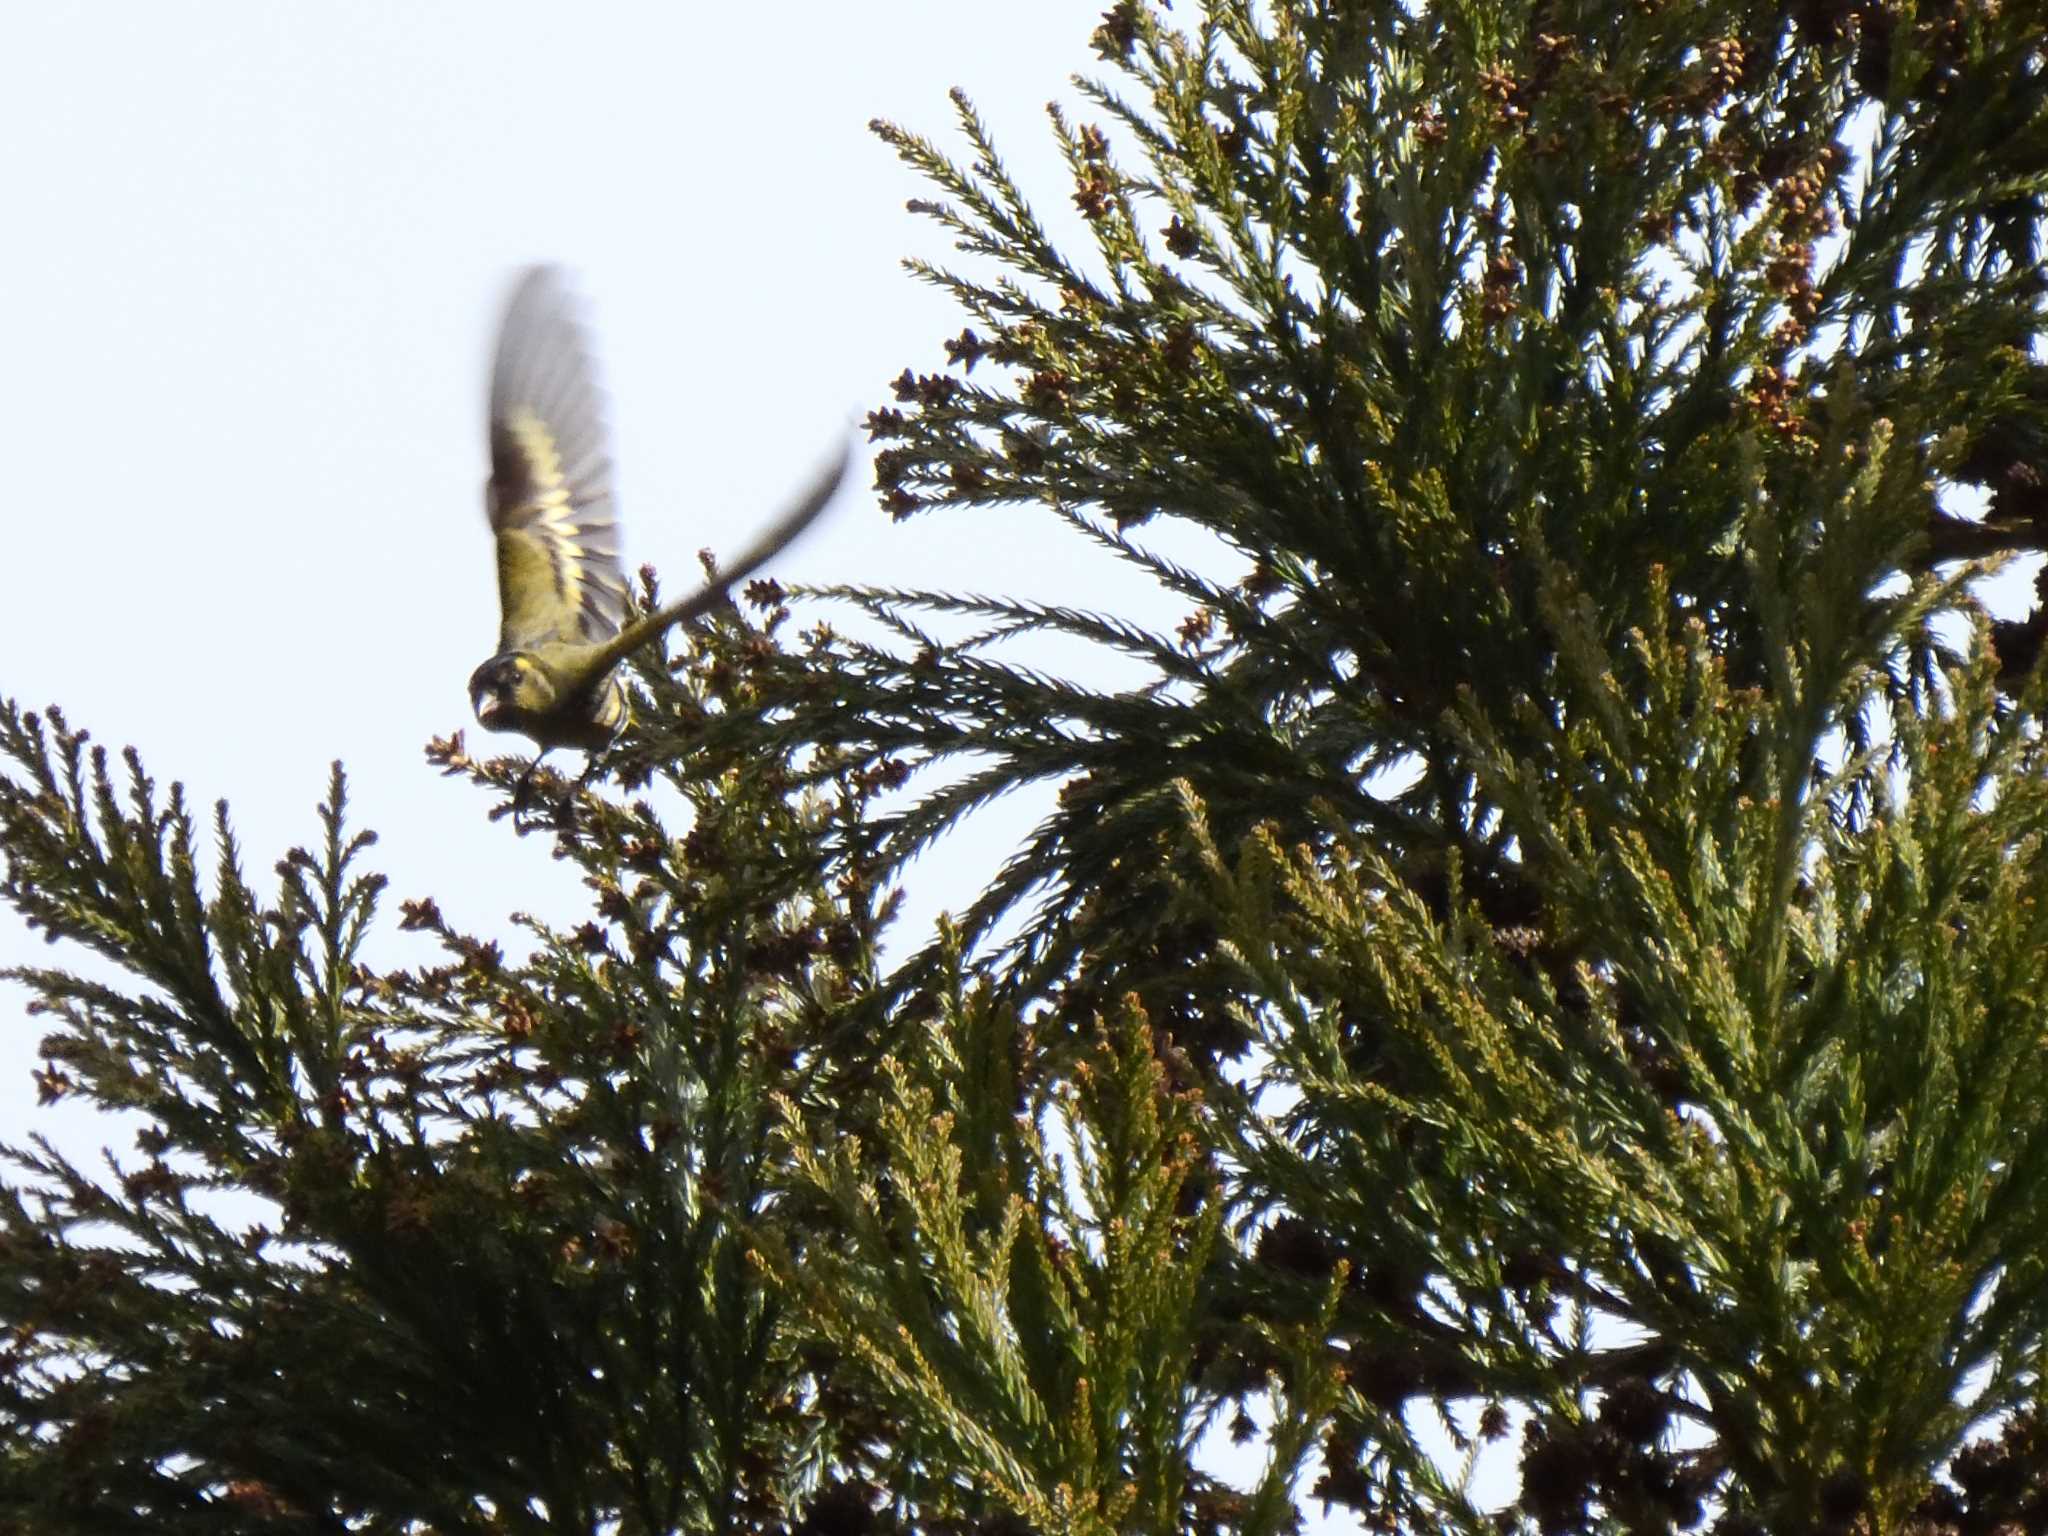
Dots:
{"x": 550, "y": 496}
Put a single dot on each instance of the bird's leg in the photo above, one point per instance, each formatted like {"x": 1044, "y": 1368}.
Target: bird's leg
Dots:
{"x": 525, "y": 784}
{"x": 566, "y": 812}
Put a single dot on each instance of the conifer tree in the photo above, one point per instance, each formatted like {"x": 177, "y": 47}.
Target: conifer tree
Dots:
{"x": 1553, "y": 958}
{"x": 1602, "y": 816}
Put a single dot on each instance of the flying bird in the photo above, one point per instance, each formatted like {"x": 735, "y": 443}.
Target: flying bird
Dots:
{"x": 562, "y": 597}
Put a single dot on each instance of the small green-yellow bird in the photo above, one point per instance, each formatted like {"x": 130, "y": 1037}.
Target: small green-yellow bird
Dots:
{"x": 561, "y": 593}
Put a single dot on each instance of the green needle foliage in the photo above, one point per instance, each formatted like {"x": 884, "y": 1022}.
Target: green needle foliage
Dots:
{"x": 1435, "y": 316}
{"x": 454, "y": 1248}
{"x": 1527, "y": 1014}
{"x": 1616, "y": 821}
{"x": 1032, "y": 1316}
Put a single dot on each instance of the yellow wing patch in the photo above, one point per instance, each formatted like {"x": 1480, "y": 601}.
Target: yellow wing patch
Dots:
{"x": 550, "y": 495}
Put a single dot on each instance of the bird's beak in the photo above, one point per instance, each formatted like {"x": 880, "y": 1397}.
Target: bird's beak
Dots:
{"x": 488, "y": 707}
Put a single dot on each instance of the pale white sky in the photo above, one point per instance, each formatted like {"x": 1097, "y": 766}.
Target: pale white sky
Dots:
{"x": 255, "y": 256}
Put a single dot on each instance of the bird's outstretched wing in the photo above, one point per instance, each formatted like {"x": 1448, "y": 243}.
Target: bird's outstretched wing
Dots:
{"x": 550, "y": 496}
{"x": 780, "y": 534}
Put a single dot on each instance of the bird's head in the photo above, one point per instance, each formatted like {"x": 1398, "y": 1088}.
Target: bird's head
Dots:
{"x": 509, "y": 690}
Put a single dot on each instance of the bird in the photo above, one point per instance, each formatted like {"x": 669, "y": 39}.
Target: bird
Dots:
{"x": 564, "y": 627}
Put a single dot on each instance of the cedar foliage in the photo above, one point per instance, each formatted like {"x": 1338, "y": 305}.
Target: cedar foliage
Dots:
{"x": 1554, "y": 952}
